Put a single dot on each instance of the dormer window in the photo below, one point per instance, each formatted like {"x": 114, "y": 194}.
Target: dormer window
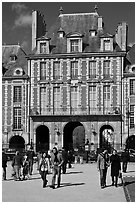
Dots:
{"x": 43, "y": 48}
{"x": 43, "y": 45}
{"x": 92, "y": 33}
{"x": 61, "y": 33}
{"x": 106, "y": 43}
{"x": 13, "y": 58}
{"x": 74, "y": 42}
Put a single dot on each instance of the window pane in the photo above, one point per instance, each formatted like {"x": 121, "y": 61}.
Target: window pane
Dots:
{"x": 17, "y": 118}
{"x": 42, "y": 48}
{"x": 56, "y": 70}
{"x": 74, "y": 69}
{"x": 107, "y": 45}
{"x": 132, "y": 86}
{"x": 43, "y": 70}
{"x": 74, "y": 45}
{"x": 92, "y": 69}
{"x": 17, "y": 93}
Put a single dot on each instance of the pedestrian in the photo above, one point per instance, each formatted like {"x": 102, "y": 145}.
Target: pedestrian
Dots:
{"x": 102, "y": 166}
{"x": 56, "y": 162}
{"x": 70, "y": 158}
{"x": 39, "y": 156}
{"x": 30, "y": 157}
{"x": 25, "y": 166}
{"x": 115, "y": 167}
{"x": 16, "y": 164}
{"x": 44, "y": 167}
{"x": 125, "y": 160}
{"x": 4, "y": 164}
{"x": 65, "y": 160}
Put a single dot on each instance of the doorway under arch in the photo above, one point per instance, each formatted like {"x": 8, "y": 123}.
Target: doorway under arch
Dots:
{"x": 17, "y": 142}
{"x": 74, "y": 136}
{"x": 106, "y": 137}
{"x": 42, "y": 138}
{"x": 130, "y": 142}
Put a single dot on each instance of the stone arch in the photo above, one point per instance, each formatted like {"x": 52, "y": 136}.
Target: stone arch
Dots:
{"x": 73, "y": 135}
{"x": 16, "y": 142}
{"x": 106, "y": 139}
{"x": 42, "y": 138}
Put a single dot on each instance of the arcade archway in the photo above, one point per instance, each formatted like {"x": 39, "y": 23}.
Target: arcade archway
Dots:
{"x": 42, "y": 138}
{"x": 17, "y": 142}
{"x": 107, "y": 137}
{"x": 74, "y": 135}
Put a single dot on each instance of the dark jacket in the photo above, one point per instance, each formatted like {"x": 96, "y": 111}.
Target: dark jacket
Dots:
{"x": 17, "y": 161}
{"x": 59, "y": 157}
{"x": 64, "y": 156}
{"x": 115, "y": 165}
{"x": 125, "y": 156}
{"x": 30, "y": 155}
{"x": 4, "y": 159}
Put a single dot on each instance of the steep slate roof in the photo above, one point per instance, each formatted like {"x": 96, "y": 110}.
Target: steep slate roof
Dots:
{"x": 21, "y": 61}
{"x": 81, "y": 23}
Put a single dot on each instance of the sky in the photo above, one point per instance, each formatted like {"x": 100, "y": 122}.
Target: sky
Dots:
{"x": 16, "y": 17}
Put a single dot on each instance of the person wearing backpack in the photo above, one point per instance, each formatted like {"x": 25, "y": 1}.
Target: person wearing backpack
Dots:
{"x": 44, "y": 167}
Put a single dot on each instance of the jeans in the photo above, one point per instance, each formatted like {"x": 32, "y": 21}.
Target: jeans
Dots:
{"x": 114, "y": 180}
{"x": 17, "y": 171}
{"x": 124, "y": 166}
{"x": 56, "y": 171}
{"x": 43, "y": 176}
{"x": 30, "y": 167}
{"x": 103, "y": 173}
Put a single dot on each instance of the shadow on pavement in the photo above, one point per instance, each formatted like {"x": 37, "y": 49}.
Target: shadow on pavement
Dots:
{"x": 75, "y": 172}
{"x": 127, "y": 183}
{"x": 130, "y": 171}
{"x": 71, "y": 184}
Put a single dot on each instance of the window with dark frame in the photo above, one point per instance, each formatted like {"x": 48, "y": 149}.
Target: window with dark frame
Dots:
{"x": 132, "y": 125}
{"x": 74, "y": 45}
{"x": 43, "y": 48}
{"x": 42, "y": 70}
{"x": 17, "y": 94}
{"x": 17, "y": 118}
{"x": 74, "y": 70}
{"x": 56, "y": 70}
{"x": 132, "y": 86}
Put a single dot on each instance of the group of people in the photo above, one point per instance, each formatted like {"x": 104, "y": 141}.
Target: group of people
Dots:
{"x": 104, "y": 161}
{"x": 57, "y": 160}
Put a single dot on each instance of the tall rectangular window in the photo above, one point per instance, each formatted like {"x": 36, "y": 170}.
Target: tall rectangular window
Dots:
{"x": 92, "y": 98}
{"x": 74, "y": 70}
{"x": 43, "y": 99}
{"x": 74, "y": 98}
{"x": 132, "y": 116}
{"x": 17, "y": 118}
{"x": 106, "y": 68}
{"x": 106, "y": 95}
{"x": 132, "y": 86}
{"x": 92, "y": 69}
{"x": 56, "y": 70}
{"x": 42, "y": 70}
{"x": 17, "y": 94}
{"x": 57, "y": 102}
{"x": 74, "y": 45}
{"x": 43, "y": 48}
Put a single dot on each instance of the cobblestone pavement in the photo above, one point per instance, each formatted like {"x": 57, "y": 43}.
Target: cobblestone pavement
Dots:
{"x": 79, "y": 184}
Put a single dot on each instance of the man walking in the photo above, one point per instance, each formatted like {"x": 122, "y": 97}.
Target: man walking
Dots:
{"x": 56, "y": 163}
{"x": 102, "y": 165}
{"x": 30, "y": 155}
{"x": 16, "y": 164}
{"x": 4, "y": 164}
{"x": 65, "y": 159}
{"x": 125, "y": 159}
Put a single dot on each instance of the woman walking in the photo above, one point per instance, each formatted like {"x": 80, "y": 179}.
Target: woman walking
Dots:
{"x": 44, "y": 168}
{"x": 115, "y": 167}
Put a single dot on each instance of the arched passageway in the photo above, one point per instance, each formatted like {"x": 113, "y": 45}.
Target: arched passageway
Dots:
{"x": 74, "y": 135}
{"x": 42, "y": 138}
{"x": 107, "y": 137}
{"x": 17, "y": 142}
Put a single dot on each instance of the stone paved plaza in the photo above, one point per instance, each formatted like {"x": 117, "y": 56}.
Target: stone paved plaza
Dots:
{"x": 79, "y": 184}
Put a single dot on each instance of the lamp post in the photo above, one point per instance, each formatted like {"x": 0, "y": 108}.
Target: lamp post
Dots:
{"x": 128, "y": 117}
